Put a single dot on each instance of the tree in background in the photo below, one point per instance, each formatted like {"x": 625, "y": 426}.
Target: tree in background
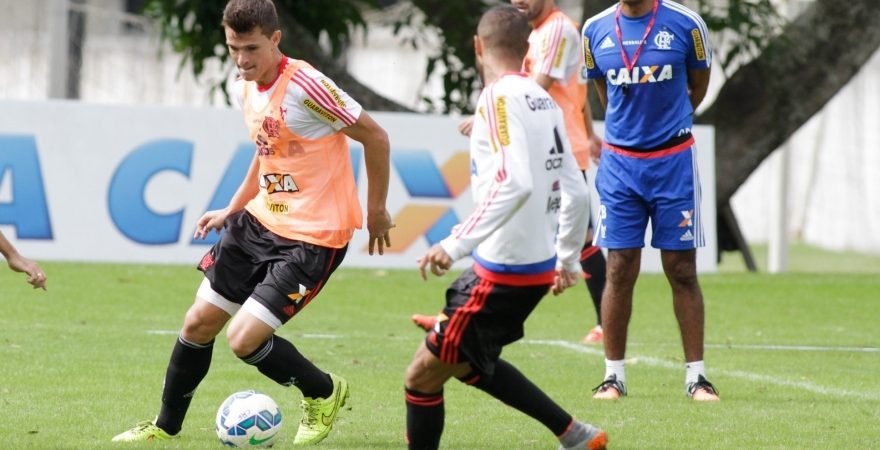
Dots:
{"x": 778, "y": 74}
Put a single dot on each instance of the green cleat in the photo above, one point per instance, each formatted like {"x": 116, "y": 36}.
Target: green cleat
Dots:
{"x": 320, "y": 413}
{"x": 146, "y": 431}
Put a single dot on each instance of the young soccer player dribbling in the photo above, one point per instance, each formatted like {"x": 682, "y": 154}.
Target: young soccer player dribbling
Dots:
{"x": 287, "y": 227}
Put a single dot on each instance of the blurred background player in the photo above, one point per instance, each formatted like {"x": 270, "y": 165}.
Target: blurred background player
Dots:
{"x": 514, "y": 238}
{"x": 641, "y": 55}
{"x": 555, "y": 61}
{"x": 287, "y": 227}
{"x": 35, "y": 275}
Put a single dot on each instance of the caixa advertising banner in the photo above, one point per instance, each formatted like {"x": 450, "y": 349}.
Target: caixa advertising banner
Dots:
{"x": 85, "y": 182}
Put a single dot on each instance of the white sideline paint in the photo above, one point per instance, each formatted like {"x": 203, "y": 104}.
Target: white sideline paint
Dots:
{"x": 795, "y": 348}
{"x": 162, "y": 332}
{"x": 657, "y": 362}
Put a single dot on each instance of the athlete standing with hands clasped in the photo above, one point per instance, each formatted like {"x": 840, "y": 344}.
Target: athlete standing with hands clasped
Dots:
{"x": 649, "y": 60}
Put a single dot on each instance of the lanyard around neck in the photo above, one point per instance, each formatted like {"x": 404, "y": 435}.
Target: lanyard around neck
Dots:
{"x": 629, "y": 65}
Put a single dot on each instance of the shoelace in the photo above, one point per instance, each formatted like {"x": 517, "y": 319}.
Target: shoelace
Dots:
{"x": 609, "y": 383}
{"x": 310, "y": 415}
{"x": 703, "y": 384}
{"x": 143, "y": 426}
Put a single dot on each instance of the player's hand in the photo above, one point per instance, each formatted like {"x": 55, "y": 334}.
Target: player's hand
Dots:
{"x": 564, "y": 280}
{"x": 211, "y": 220}
{"x": 437, "y": 259}
{"x": 379, "y": 225}
{"x": 595, "y": 148}
{"x": 35, "y": 275}
{"x": 466, "y": 126}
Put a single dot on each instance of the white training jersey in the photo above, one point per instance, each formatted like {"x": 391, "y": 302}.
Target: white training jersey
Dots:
{"x": 531, "y": 199}
{"x": 313, "y": 107}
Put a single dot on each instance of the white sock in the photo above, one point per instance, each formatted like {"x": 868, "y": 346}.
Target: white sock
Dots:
{"x": 615, "y": 367}
{"x": 693, "y": 370}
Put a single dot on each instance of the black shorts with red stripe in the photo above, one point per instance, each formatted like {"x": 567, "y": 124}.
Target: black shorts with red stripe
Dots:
{"x": 479, "y": 319}
{"x": 284, "y": 275}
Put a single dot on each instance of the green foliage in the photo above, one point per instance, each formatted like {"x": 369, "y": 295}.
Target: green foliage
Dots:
{"x": 193, "y": 27}
{"x": 456, "y": 23}
{"x": 742, "y": 29}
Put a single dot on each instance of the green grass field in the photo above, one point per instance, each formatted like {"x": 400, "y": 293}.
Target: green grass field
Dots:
{"x": 794, "y": 356}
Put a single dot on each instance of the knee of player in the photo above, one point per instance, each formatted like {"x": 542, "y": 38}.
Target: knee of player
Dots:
{"x": 198, "y": 328}
{"x": 240, "y": 343}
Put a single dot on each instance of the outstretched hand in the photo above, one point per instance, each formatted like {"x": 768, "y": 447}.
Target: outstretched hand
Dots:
{"x": 379, "y": 226}
{"x": 35, "y": 275}
{"x": 437, "y": 259}
{"x": 211, "y": 220}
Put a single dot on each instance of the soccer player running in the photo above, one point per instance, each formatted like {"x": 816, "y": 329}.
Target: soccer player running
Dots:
{"x": 36, "y": 277}
{"x": 287, "y": 226}
{"x": 649, "y": 60}
{"x": 555, "y": 61}
{"x": 531, "y": 206}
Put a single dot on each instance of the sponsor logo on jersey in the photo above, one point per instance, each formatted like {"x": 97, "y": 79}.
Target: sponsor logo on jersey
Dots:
{"x": 687, "y": 236}
{"x": 277, "y": 182}
{"x": 639, "y": 75}
{"x": 553, "y": 204}
{"x": 321, "y": 111}
{"x": 263, "y": 147}
{"x": 558, "y": 61}
{"x": 336, "y": 97}
{"x": 588, "y": 56}
{"x": 663, "y": 40}
{"x": 501, "y": 118}
{"x": 698, "y": 44}
{"x": 277, "y": 208}
{"x": 606, "y": 43}
{"x": 555, "y": 160}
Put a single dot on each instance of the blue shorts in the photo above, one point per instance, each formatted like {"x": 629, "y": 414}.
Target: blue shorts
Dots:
{"x": 660, "y": 185}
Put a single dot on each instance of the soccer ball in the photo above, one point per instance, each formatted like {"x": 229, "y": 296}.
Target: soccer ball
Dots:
{"x": 248, "y": 419}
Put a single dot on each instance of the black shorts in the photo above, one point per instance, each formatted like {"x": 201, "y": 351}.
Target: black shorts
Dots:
{"x": 479, "y": 319}
{"x": 281, "y": 274}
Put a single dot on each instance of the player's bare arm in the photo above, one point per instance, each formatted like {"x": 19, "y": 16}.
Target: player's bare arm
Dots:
{"x": 214, "y": 220}
{"x": 35, "y": 275}
{"x": 601, "y": 91}
{"x": 377, "y": 152}
{"x": 595, "y": 140}
{"x": 698, "y": 84}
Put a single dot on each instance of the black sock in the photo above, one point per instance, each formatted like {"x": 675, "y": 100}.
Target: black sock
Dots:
{"x": 188, "y": 366}
{"x": 512, "y": 387}
{"x": 279, "y": 360}
{"x": 424, "y": 419}
{"x": 593, "y": 264}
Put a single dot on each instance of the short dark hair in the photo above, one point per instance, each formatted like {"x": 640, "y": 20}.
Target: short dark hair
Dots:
{"x": 243, "y": 16}
{"x": 505, "y": 30}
